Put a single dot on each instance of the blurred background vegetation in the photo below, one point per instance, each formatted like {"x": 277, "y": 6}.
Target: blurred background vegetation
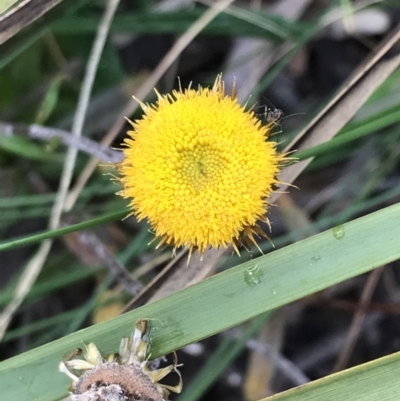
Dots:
{"x": 291, "y": 55}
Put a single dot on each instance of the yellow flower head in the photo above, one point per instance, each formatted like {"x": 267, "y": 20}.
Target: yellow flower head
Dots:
{"x": 199, "y": 168}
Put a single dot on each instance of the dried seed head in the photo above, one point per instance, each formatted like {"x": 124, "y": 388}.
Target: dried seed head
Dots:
{"x": 120, "y": 377}
{"x": 116, "y": 382}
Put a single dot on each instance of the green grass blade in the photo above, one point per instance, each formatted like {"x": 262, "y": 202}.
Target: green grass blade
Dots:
{"x": 31, "y": 239}
{"x": 353, "y": 132}
{"x": 57, "y": 283}
{"x": 228, "y": 298}
{"x": 27, "y": 201}
{"x": 25, "y": 148}
{"x": 247, "y": 23}
{"x": 377, "y": 380}
{"x": 40, "y": 325}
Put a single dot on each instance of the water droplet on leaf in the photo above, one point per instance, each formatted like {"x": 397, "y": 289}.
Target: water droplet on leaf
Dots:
{"x": 253, "y": 275}
{"x": 338, "y": 232}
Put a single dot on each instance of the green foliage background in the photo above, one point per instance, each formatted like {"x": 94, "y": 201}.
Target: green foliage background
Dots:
{"x": 31, "y": 62}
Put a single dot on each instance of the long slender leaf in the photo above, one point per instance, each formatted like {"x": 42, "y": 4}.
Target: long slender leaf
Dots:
{"x": 31, "y": 239}
{"x": 177, "y": 22}
{"x": 229, "y": 298}
{"x": 377, "y": 380}
{"x": 353, "y": 132}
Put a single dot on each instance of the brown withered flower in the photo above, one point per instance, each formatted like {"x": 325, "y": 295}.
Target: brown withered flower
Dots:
{"x": 124, "y": 376}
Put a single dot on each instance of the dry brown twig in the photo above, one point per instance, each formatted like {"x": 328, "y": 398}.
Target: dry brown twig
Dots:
{"x": 349, "y": 99}
{"x": 23, "y": 13}
{"x": 357, "y": 321}
{"x": 116, "y": 269}
{"x": 83, "y": 144}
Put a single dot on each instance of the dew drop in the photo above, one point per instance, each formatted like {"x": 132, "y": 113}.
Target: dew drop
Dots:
{"x": 253, "y": 275}
{"x": 338, "y": 232}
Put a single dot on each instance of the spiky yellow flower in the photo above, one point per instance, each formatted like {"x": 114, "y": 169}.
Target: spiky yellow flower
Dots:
{"x": 199, "y": 168}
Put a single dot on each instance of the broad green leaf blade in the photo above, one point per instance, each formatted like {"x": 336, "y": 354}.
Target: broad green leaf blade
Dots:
{"x": 221, "y": 301}
{"x": 372, "y": 381}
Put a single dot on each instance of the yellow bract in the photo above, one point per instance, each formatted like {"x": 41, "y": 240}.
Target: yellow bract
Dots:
{"x": 198, "y": 167}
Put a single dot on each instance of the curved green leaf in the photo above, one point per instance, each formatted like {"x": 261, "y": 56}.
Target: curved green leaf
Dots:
{"x": 377, "y": 380}
{"x": 229, "y": 298}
